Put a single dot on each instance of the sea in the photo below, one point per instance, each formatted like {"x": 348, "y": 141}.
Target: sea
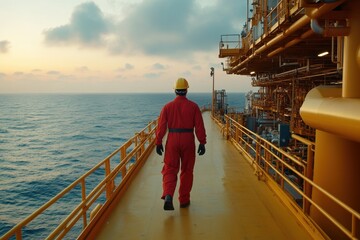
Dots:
{"x": 49, "y": 140}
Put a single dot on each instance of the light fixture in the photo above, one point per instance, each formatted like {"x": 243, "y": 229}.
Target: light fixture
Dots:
{"x": 212, "y": 74}
{"x": 252, "y": 72}
{"x": 323, "y": 54}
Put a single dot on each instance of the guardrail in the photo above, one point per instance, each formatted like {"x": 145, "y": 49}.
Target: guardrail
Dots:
{"x": 131, "y": 154}
{"x": 291, "y": 174}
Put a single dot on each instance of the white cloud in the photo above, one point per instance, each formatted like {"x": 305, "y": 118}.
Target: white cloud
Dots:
{"x": 4, "y": 46}
{"x": 175, "y": 28}
{"x": 18, "y": 73}
{"x": 53, "y": 72}
{"x": 126, "y": 67}
{"x": 152, "y": 75}
{"x": 159, "y": 66}
{"x": 129, "y": 66}
{"x": 168, "y": 28}
{"x": 87, "y": 27}
{"x": 82, "y": 69}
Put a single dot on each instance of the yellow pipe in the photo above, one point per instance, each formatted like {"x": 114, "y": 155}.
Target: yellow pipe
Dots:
{"x": 351, "y": 83}
{"x": 310, "y": 13}
{"x": 297, "y": 25}
{"x": 291, "y": 43}
{"x": 325, "y": 110}
{"x": 334, "y": 112}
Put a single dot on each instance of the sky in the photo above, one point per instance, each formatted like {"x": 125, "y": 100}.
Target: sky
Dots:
{"x": 110, "y": 46}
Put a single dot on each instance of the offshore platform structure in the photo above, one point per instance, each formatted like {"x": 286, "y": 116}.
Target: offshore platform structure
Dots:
{"x": 304, "y": 56}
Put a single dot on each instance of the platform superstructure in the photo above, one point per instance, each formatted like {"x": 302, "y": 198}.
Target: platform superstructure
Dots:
{"x": 304, "y": 57}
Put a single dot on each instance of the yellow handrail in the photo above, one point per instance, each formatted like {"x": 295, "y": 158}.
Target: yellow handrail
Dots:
{"x": 270, "y": 160}
{"x": 130, "y": 153}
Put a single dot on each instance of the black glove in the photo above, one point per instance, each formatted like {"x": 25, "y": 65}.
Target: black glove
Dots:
{"x": 201, "y": 149}
{"x": 159, "y": 149}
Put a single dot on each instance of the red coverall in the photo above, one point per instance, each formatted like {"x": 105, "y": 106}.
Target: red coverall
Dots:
{"x": 180, "y": 113}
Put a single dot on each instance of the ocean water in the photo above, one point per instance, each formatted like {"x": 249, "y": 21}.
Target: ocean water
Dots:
{"x": 49, "y": 140}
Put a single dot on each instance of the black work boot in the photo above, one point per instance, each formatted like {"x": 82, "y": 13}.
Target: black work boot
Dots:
{"x": 168, "y": 203}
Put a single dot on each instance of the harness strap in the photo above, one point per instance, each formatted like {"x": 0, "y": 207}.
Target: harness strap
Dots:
{"x": 180, "y": 130}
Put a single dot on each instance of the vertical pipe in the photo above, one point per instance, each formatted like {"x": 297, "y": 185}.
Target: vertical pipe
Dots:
{"x": 351, "y": 83}
{"x": 336, "y": 164}
{"x": 340, "y": 52}
{"x": 212, "y": 74}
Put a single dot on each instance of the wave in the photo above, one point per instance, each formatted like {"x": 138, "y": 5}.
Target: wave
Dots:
{"x": 3, "y": 130}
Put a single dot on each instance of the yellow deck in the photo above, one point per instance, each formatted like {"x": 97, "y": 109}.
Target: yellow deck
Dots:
{"x": 227, "y": 202}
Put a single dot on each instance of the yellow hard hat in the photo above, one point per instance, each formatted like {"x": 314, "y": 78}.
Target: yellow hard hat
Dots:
{"x": 181, "y": 83}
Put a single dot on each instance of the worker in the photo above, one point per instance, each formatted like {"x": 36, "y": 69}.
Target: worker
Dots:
{"x": 181, "y": 117}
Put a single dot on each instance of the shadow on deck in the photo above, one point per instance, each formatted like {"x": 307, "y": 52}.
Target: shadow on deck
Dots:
{"x": 227, "y": 202}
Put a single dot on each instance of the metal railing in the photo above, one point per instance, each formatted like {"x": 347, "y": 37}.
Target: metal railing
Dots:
{"x": 230, "y": 41}
{"x": 291, "y": 174}
{"x": 130, "y": 154}
{"x": 277, "y": 14}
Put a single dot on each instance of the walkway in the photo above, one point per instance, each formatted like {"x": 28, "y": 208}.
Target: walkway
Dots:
{"x": 227, "y": 202}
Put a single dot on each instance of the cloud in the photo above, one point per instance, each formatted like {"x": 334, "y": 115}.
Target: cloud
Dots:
{"x": 82, "y": 69}
{"x": 152, "y": 75}
{"x": 4, "y": 46}
{"x": 126, "y": 67}
{"x": 167, "y": 28}
{"x": 129, "y": 66}
{"x": 175, "y": 28}
{"x": 159, "y": 66}
{"x": 53, "y": 72}
{"x": 87, "y": 27}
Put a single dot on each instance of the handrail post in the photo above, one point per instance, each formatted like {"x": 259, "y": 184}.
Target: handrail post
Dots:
{"x": 18, "y": 234}
{"x": 241, "y": 136}
{"x": 123, "y": 156}
{"x": 257, "y": 152}
{"x": 267, "y": 157}
{"x": 309, "y": 175}
{"x": 110, "y": 184}
{"x": 236, "y": 137}
{"x": 83, "y": 198}
{"x": 136, "y": 144}
{"x": 282, "y": 171}
{"x": 353, "y": 225}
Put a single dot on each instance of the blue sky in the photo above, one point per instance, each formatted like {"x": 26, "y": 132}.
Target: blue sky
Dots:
{"x": 116, "y": 46}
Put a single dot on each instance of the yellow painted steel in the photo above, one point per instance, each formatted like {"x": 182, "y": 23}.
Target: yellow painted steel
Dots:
{"x": 336, "y": 169}
{"x": 269, "y": 162}
{"x": 311, "y": 13}
{"x": 227, "y": 202}
{"x": 336, "y": 116}
{"x": 351, "y": 73}
{"x": 325, "y": 109}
